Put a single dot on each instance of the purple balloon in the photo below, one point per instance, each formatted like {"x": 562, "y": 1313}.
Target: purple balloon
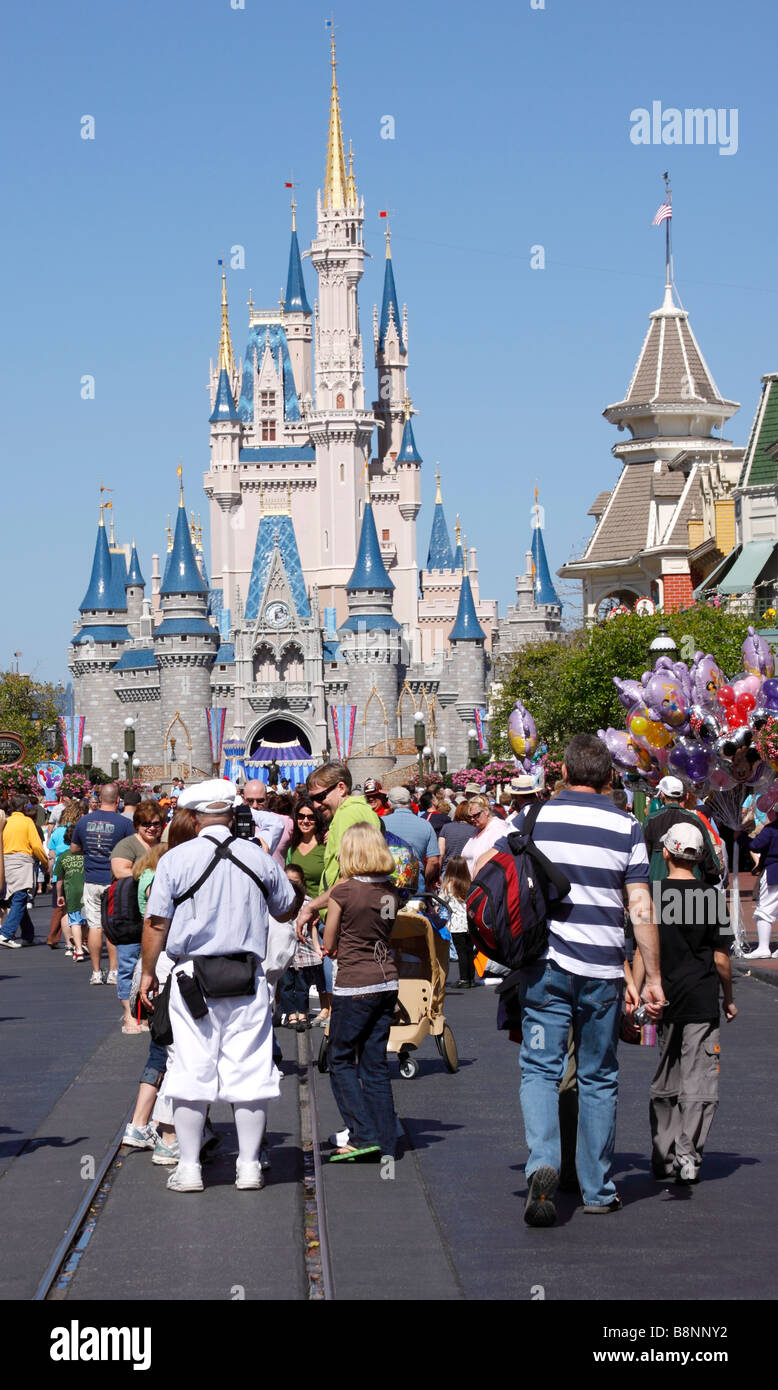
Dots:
{"x": 630, "y": 692}
{"x": 758, "y": 659}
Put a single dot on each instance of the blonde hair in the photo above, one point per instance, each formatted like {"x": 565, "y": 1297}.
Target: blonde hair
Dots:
{"x": 478, "y": 803}
{"x": 149, "y": 861}
{"x": 444, "y": 807}
{"x": 363, "y": 850}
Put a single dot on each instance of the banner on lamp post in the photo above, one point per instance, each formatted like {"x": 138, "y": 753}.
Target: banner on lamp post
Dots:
{"x": 344, "y": 718}
{"x": 215, "y": 718}
{"x": 72, "y": 730}
{"x": 479, "y": 716}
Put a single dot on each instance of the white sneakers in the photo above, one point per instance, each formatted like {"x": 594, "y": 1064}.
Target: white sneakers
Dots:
{"x": 248, "y": 1176}
{"x": 112, "y": 978}
{"x": 186, "y": 1177}
{"x": 96, "y": 978}
{"x": 10, "y": 943}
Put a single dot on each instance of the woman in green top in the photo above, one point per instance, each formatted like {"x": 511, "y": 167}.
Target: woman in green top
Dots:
{"x": 306, "y": 853}
{"x": 306, "y": 847}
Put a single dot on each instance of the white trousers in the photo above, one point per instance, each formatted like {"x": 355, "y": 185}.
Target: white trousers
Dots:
{"x": 228, "y": 1054}
{"x": 766, "y": 910}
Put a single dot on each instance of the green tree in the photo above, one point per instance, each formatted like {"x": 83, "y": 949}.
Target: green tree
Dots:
{"x": 31, "y": 709}
{"x": 567, "y": 686}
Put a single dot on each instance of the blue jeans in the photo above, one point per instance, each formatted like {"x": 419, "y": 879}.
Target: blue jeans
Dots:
{"x": 19, "y": 916}
{"x": 552, "y": 999}
{"x": 359, "y": 1067}
{"x": 156, "y": 1064}
{"x": 127, "y": 957}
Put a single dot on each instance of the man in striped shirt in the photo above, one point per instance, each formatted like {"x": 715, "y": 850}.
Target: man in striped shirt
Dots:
{"x": 580, "y": 980}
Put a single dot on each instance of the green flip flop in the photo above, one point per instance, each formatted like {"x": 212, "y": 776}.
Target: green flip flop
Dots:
{"x": 370, "y": 1151}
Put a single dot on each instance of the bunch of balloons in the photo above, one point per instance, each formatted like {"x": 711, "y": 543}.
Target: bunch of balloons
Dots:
{"x": 522, "y": 735}
{"x": 691, "y": 721}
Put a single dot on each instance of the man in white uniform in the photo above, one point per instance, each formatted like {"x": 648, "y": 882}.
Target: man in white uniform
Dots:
{"x": 228, "y": 1053}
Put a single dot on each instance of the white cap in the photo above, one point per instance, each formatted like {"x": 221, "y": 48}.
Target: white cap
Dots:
{"x": 671, "y": 786}
{"x": 211, "y": 798}
{"x": 683, "y": 841}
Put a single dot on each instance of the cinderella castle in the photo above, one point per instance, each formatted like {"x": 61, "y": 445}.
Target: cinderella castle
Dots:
{"x": 317, "y": 633}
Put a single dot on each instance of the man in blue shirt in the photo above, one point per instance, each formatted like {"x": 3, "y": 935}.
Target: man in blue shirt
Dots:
{"x": 417, "y": 833}
{"x": 95, "y": 836}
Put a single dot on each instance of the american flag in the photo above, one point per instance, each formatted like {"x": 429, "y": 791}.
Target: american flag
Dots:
{"x": 663, "y": 214}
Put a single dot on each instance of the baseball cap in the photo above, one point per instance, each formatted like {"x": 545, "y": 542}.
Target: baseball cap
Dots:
{"x": 473, "y": 789}
{"x": 671, "y": 786}
{"x": 211, "y": 797}
{"x": 373, "y": 787}
{"x": 399, "y": 796}
{"x": 683, "y": 841}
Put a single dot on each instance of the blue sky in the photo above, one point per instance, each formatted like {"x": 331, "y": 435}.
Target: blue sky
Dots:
{"x": 511, "y": 130}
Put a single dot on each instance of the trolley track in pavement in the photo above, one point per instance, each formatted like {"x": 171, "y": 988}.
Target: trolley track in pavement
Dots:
{"x": 57, "y": 1280}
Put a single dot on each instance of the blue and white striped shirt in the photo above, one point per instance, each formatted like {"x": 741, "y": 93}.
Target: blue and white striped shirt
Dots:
{"x": 601, "y": 850}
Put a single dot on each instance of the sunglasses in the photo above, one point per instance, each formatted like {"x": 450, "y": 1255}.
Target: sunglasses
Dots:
{"x": 305, "y": 816}
{"x": 317, "y": 797}
{"x": 154, "y": 825}
{"x": 255, "y": 800}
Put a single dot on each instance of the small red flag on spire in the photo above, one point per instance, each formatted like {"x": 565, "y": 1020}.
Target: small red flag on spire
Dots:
{"x": 383, "y": 214}
{"x": 288, "y": 185}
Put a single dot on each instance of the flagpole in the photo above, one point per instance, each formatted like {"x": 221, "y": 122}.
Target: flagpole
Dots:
{"x": 668, "y": 220}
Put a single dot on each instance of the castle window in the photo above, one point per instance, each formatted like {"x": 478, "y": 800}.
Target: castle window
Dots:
{"x": 268, "y": 430}
{"x": 326, "y": 540}
{"x": 384, "y": 535}
{"x": 267, "y": 400}
{"x": 183, "y": 639}
{"x": 342, "y": 474}
{"x": 340, "y": 401}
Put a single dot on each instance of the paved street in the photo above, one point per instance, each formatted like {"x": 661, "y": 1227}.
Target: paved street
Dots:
{"x": 447, "y": 1226}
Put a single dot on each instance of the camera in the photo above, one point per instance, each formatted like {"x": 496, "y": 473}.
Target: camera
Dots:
{"x": 243, "y": 823}
{"x": 641, "y": 1016}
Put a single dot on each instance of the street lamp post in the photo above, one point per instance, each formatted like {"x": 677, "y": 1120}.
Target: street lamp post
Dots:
{"x": 86, "y": 755}
{"x": 426, "y": 754}
{"x": 115, "y": 766}
{"x": 420, "y": 739}
{"x": 472, "y": 746}
{"x": 662, "y": 643}
{"x": 129, "y": 735}
{"x": 442, "y": 762}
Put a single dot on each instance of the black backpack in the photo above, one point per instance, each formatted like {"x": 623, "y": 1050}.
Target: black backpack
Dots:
{"x": 120, "y": 913}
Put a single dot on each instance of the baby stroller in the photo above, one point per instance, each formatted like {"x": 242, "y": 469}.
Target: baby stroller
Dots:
{"x": 421, "y": 957}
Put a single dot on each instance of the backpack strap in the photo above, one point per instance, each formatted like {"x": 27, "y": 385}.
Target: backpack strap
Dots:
{"x": 223, "y": 852}
{"x": 523, "y": 839}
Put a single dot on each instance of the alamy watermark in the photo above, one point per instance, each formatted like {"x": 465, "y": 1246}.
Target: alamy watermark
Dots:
{"x": 693, "y": 126}
{"x": 676, "y": 906}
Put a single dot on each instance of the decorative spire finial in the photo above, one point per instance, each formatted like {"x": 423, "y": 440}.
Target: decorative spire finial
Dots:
{"x": 169, "y": 535}
{"x": 438, "y": 496}
{"x": 351, "y": 183}
{"x": 180, "y": 475}
{"x": 464, "y": 556}
{"x": 250, "y": 302}
{"x": 458, "y": 531}
{"x": 335, "y": 174}
{"x": 407, "y": 412}
{"x": 226, "y": 358}
{"x": 294, "y": 211}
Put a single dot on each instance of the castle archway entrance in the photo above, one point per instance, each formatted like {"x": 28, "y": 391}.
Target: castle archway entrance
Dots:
{"x": 284, "y": 741}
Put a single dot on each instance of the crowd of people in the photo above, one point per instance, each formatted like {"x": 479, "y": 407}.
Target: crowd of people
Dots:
{"x": 310, "y": 905}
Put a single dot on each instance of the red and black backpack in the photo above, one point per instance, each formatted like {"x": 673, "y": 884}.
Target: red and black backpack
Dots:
{"x": 508, "y": 902}
{"x": 120, "y": 913}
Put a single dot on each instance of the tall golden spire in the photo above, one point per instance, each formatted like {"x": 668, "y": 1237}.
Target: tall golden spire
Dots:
{"x": 458, "y": 532}
{"x": 438, "y": 497}
{"x": 407, "y": 412}
{"x": 169, "y": 536}
{"x": 226, "y": 359}
{"x": 335, "y": 174}
{"x": 351, "y": 183}
{"x": 464, "y": 557}
{"x": 180, "y": 472}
